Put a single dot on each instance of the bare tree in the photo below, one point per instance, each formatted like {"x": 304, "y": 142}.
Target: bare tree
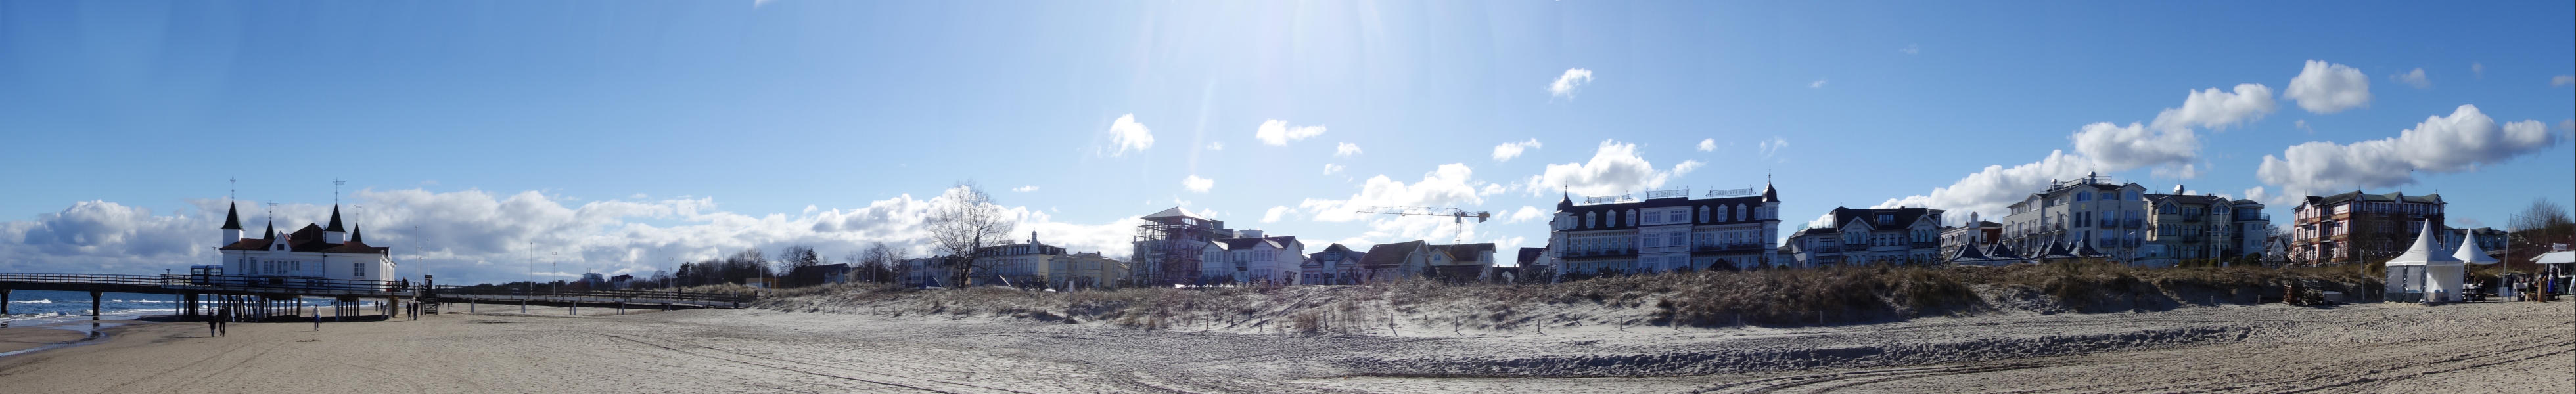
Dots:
{"x": 878, "y": 261}
{"x": 966, "y": 221}
{"x": 2540, "y": 225}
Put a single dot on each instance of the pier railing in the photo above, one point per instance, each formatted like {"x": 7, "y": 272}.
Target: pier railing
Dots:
{"x": 212, "y": 282}
{"x": 597, "y": 295}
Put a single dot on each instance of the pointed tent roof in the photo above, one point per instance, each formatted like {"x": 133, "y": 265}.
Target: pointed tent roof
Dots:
{"x": 1968, "y": 253}
{"x": 232, "y": 217}
{"x": 2423, "y": 253}
{"x": 2002, "y": 252}
{"x": 1167, "y": 213}
{"x": 335, "y": 219}
{"x": 2084, "y": 248}
{"x": 2056, "y": 249}
{"x": 2470, "y": 253}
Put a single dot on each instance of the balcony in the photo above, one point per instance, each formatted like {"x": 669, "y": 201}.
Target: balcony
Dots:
{"x": 2191, "y": 218}
{"x": 1734, "y": 247}
{"x": 2132, "y": 223}
{"x": 1601, "y": 253}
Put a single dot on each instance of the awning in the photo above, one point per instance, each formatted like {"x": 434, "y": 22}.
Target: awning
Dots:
{"x": 2557, "y": 257}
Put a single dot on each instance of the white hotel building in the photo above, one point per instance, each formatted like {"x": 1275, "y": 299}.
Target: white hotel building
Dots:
{"x": 1668, "y": 231}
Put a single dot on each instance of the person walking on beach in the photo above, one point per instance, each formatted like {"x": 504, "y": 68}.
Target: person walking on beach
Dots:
{"x": 224, "y": 323}
{"x": 317, "y": 320}
{"x": 210, "y": 325}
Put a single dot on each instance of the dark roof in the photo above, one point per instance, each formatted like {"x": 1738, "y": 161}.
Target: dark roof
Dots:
{"x": 335, "y": 219}
{"x": 1337, "y": 248}
{"x": 2186, "y": 199}
{"x": 1464, "y": 251}
{"x": 2357, "y": 196}
{"x": 1389, "y": 255}
{"x": 1748, "y": 202}
{"x": 2057, "y": 250}
{"x": 1968, "y": 253}
{"x": 232, "y": 218}
{"x": 306, "y": 239}
{"x": 1280, "y": 242}
{"x": 272, "y": 230}
{"x": 1904, "y": 216}
{"x": 1769, "y": 194}
{"x": 357, "y": 234}
{"x": 2002, "y": 252}
{"x": 1531, "y": 255}
{"x": 2085, "y": 249}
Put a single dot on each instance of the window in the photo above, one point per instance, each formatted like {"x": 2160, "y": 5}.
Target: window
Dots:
{"x": 1675, "y": 239}
{"x": 1739, "y": 211}
{"x": 1655, "y": 217}
{"x": 1589, "y": 218}
{"x": 2086, "y": 196}
{"x": 1632, "y": 217}
{"x": 1721, "y": 213}
{"x": 358, "y": 270}
{"x": 1703, "y": 213}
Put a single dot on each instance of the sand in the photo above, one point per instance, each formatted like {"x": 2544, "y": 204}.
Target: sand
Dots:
{"x": 2486, "y": 347}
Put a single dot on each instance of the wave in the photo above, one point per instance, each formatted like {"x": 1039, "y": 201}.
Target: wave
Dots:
{"x": 145, "y": 301}
{"x": 33, "y": 302}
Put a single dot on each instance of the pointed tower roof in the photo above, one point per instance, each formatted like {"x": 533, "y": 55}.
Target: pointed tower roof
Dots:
{"x": 232, "y": 217}
{"x": 2423, "y": 253}
{"x": 357, "y": 235}
{"x": 2470, "y": 252}
{"x": 1564, "y": 201}
{"x": 335, "y": 219}
{"x": 1769, "y": 194}
{"x": 272, "y": 231}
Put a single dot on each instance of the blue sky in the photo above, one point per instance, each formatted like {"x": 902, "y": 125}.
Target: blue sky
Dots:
{"x": 617, "y": 136}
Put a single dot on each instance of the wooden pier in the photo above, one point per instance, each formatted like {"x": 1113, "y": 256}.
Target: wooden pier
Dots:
{"x": 255, "y": 298}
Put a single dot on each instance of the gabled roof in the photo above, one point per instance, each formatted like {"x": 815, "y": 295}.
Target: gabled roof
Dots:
{"x": 1337, "y": 248}
{"x": 1464, "y": 251}
{"x": 1531, "y": 255}
{"x": 1904, "y": 217}
{"x": 2357, "y": 196}
{"x": 1279, "y": 242}
{"x": 1389, "y": 255}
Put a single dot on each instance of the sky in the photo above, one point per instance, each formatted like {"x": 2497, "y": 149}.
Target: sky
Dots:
{"x": 509, "y": 140}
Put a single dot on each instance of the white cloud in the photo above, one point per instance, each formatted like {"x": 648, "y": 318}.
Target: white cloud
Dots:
{"x": 2562, "y": 80}
{"x": 1995, "y": 187}
{"x": 1574, "y": 78}
{"x": 2478, "y": 68}
{"x": 1346, "y": 149}
{"x": 1452, "y": 185}
{"x": 1216, "y": 146}
{"x": 1818, "y": 84}
{"x": 1708, "y": 144}
{"x": 1197, "y": 184}
{"x": 2459, "y": 142}
{"x": 1526, "y": 213}
{"x": 1129, "y": 135}
{"x": 2117, "y": 148}
{"x": 1686, "y": 167}
{"x": 2302, "y": 124}
{"x": 1824, "y": 221}
{"x": 2327, "y": 88}
{"x": 1025, "y": 189}
{"x": 1772, "y": 146}
{"x": 1910, "y": 49}
{"x": 2413, "y": 78}
{"x": 455, "y": 235}
{"x": 1330, "y": 168}
{"x": 1274, "y": 214}
{"x": 1507, "y": 151}
{"x": 2218, "y": 110}
{"x": 1615, "y": 168}
{"x": 1276, "y": 132}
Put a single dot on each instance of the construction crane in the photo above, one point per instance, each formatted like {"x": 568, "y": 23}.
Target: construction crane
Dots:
{"x": 1455, "y": 215}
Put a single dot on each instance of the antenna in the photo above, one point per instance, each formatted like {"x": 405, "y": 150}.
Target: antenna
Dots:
{"x": 335, "y": 190}
{"x": 232, "y": 189}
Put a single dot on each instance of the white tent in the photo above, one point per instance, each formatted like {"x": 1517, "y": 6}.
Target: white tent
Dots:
{"x": 2470, "y": 253}
{"x": 2424, "y": 273}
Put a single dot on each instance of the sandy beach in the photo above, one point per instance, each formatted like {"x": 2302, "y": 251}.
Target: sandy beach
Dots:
{"x": 2488, "y": 347}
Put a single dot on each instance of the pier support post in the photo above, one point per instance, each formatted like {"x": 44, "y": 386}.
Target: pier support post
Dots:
{"x": 4, "y": 301}
{"x": 93, "y": 304}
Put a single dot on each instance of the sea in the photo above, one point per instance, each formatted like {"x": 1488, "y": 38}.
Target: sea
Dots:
{"x": 29, "y": 307}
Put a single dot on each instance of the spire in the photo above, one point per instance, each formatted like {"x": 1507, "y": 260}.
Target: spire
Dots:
{"x": 335, "y": 219}
{"x": 232, "y": 217}
{"x": 356, "y": 234}
{"x": 1769, "y": 194}
{"x": 1564, "y": 200}
{"x": 272, "y": 232}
